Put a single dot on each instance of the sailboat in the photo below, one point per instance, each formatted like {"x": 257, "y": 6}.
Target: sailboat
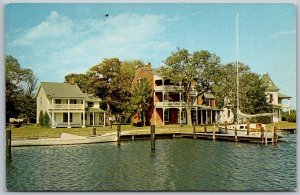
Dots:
{"x": 242, "y": 128}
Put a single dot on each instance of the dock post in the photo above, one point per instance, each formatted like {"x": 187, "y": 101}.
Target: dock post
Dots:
{"x": 225, "y": 127}
{"x": 194, "y": 130}
{"x": 275, "y": 136}
{"x": 235, "y": 134}
{"x": 262, "y": 134}
{"x": 94, "y": 131}
{"x": 8, "y": 143}
{"x": 248, "y": 128}
{"x": 119, "y": 134}
{"x": 205, "y": 129}
{"x": 214, "y": 134}
{"x": 152, "y": 137}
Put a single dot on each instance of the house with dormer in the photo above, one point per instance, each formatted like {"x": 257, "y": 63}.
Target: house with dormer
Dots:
{"x": 168, "y": 105}
{"x": 275, "y": 98}
{"x": 68, "y": 106}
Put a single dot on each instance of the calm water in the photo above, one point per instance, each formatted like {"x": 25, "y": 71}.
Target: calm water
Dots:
{"x": 176, "y": 165}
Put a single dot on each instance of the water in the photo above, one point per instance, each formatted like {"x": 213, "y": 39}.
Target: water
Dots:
{"x": 176, "y": 165}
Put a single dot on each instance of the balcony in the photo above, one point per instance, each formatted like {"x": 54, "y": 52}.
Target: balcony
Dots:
{"x": 169, "y": 88}
{"x": 67, "y": 107}
{"x": 169, "y": 104}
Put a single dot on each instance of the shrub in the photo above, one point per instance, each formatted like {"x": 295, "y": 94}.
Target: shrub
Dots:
{"x": 46, "y": 120}
{"x": 41, "y": 119}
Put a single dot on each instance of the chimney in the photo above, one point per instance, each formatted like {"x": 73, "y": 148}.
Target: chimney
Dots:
{"x": 72, "y": 80}
{"x": 148, "y": 66}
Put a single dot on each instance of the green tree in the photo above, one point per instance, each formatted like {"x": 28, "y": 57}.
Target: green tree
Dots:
{"x": 20, "y": 87}
{"x": 41, "y": 118}
{"x": 111, "y": 81}
{"x": 141, "y": 97}
{"x": 46, "y": 120}
{"x": 252, "y": 98}
{"x": 192, "y": 72}
{"x": 81, "y": 80}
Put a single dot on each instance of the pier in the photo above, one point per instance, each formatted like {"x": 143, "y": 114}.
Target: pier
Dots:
{"x": 207, "y": 136}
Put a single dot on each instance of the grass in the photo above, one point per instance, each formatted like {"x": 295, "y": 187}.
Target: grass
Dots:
{"x": 33, "y": 131}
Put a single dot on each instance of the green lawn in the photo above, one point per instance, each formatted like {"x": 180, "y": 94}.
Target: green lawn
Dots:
{"x": 33, "y": 131}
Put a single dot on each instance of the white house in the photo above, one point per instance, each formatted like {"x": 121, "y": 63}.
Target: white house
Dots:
{"x": 277, "y": 100}
{"x": 67, "y": 106}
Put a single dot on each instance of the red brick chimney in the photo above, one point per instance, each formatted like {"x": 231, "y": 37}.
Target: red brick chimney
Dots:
{"x": 72, "y": 80}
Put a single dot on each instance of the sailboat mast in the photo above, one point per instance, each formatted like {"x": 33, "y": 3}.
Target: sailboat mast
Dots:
{"x": 237, "y": 64}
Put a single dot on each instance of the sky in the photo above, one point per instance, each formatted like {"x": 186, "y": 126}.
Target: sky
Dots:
{"x": 58, "y": 39}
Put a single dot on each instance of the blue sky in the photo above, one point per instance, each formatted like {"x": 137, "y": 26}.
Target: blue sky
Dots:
{"x": 57, "y": 39}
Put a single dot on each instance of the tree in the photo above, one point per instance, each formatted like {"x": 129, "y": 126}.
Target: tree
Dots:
{"x": 41, "y": 118}
{"x": 46, "y": 120}
{"x": 111, "y": 81}
{"x": 20, "y": 86}
{"x": 81, "y": 80}
{"x": 191, "y": 71}
{"x": 141, "y": 97}
{"x": 252, "y": 98}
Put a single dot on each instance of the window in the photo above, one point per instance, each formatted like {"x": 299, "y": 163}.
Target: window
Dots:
{"x": 167, "y": 115}
{"x": 271, "y": 98}
{"x": 228, "y": 113}
{"x": 57, "y": 101}
{"x": 90, "y": 104}
{"x": 65, "y": 117}
{"x": 72, "y": 101}
{"x": 41, "y": 101}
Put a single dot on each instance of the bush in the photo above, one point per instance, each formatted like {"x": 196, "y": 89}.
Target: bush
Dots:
{"x": 46, "y": 120}
{"x": 41, "y": 119}
{"x": 262, "y": 119}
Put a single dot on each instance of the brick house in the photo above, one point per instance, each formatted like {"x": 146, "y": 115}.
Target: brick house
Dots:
{"x": 168, "y": 105}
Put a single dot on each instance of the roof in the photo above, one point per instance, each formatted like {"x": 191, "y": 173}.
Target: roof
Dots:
{"x": 269, "y": 83}
{"x": 61, "y": 90}
{"x": 208, "y": 96}
{"x": 95, "y": 110}
{"x": 282, "y": 96}
{"x": 91, "y": 98}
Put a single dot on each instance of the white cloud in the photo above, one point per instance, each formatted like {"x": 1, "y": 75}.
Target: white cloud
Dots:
{"x": 60, "y": 45}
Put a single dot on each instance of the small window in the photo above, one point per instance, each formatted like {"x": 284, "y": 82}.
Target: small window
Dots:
{"x": 90, "y": 104}
{"x": 72, "y": 101}
{"x": 228, "y": 113}
{"x": 57, "y": 101}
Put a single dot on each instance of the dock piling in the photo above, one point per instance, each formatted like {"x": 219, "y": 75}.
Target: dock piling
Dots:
{"x": 235, "y": 134}
{"x": 119, "y": 134}
{"x": 248, "y": 128}
{"x": 262, "y": 134}
{"x": 225, "y": 127}
{"x": 214, "y": 134}
{"x": 275, "y": 136}
{"x": 94, "y": 131}
{"x": 205, "y": 129}
{"x": 194, "y": 130}
{"x": 8, "y": 143}
{"x": 152, "y": 127}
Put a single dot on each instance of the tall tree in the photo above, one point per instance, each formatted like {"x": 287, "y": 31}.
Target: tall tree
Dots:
{"x": 111, "y": 81}
{"x": 20, "y": 87}
{"x": 252, "y": 99}
{"x": 141, "y": 97}
{"x": 191, "y": 71}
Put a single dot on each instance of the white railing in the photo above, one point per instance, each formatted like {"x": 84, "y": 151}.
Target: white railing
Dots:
{"x": 169, "y": 104}
{"x": 158, "y": 88}
{"x": 67, "y": 106}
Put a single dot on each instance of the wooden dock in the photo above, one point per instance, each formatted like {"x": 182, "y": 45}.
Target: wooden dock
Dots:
{"x": 207, "y": 136}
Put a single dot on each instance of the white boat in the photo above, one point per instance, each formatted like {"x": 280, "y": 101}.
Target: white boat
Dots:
{"x": 254, "y": 129}
{"x": 66, "y": 139}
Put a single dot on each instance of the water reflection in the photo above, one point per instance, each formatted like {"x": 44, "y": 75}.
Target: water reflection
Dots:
{"x": 176, "y": 165}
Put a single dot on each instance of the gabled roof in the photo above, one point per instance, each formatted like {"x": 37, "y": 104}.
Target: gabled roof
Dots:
{"x": 269, "y": 83}
{"x": 282, "y": 96}
{"x": 61, "y": 90}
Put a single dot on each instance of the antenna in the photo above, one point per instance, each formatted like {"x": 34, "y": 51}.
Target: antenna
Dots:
{"x": 237, "y": 64}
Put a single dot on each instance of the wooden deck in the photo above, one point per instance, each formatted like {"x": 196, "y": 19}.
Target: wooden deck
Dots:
{"x": 207, "y": 136}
